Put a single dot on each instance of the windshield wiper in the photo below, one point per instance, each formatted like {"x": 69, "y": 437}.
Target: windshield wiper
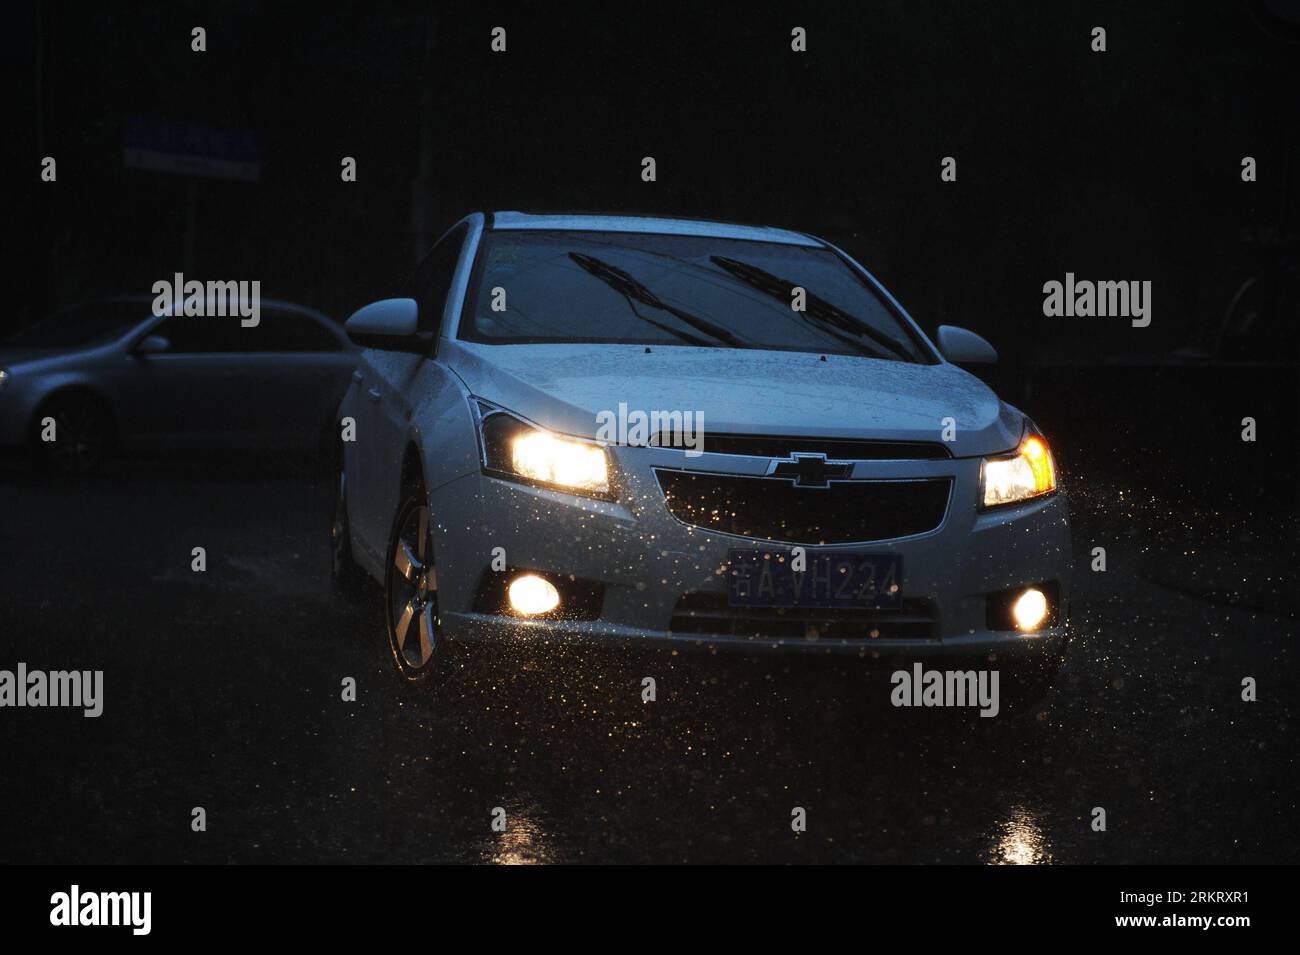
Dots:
{"x": 634, "y": 291}
{"x": 830, "y": 318}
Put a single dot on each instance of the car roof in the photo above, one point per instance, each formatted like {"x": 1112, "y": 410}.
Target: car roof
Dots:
{"x": 649, "y": 224}
{"x": 133, "y": 298}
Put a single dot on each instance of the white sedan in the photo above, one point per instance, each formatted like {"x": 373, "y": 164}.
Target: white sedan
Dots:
{"x": 664, "y": 432}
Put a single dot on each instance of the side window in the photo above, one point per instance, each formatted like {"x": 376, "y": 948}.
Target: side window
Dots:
{"x": 432, "y": 279}
{"x": 277, "y": 330}
{"x": 191, "y": 335}
{"x": 283, "y": 330}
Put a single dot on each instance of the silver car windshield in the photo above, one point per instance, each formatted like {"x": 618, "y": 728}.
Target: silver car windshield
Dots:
{"x": 639, "y": 288}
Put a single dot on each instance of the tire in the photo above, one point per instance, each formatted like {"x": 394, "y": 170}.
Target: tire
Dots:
{"x": 347, "y": 578}
{"x": 83, "y": 434}
{"x": 414, "y": 626}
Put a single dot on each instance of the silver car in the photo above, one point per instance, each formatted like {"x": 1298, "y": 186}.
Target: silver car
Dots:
{"x": 847, "y": 488}
{"x": 111, "y": 374}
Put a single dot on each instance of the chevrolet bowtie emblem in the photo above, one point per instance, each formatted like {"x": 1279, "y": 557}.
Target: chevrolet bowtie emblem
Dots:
{"x": 810, "y": 470}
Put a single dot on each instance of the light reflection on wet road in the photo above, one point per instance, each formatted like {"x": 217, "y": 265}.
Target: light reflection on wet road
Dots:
{"x": 1021, "y": 842}
{"x": 224, "y": 692}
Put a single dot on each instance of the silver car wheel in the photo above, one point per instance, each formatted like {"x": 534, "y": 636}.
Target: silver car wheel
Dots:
{"x": 414, "y": 627}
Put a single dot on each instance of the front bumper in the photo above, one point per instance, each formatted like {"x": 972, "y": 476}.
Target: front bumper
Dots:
{"x": 647, "y": 560}
{"x": 484, "y": 628}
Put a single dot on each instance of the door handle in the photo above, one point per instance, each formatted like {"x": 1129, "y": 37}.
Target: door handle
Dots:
{"x": 358, "y": 377}
{"x": 373, "y": 394}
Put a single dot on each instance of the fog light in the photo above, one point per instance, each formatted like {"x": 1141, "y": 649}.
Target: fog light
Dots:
{"x": 1030, "y": 609}
{"x": 531, "y": 595}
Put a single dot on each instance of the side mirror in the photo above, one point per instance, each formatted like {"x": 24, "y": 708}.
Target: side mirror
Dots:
{"x": 961, "y": 346}
{"x": 390, "y": 324}
{"x": 153, "y": 345}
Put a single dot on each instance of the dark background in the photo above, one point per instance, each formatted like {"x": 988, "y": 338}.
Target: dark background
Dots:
{"x": 1123, "y": 165}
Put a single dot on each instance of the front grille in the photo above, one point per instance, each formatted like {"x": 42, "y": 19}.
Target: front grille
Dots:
{"x": 770, "y": 509}
{"x": 767, "y": 446}
{"x": 709, "y": 613}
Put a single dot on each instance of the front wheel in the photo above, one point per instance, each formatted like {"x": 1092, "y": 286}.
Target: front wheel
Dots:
{"x": 411, "y": 593}
{"x": 79, "y": 428}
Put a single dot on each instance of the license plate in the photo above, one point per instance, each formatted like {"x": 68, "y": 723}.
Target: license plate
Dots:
{"x": 767, "y": 578}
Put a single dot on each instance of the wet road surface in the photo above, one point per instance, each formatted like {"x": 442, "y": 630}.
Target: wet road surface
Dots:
{"x": 223, "y": 690}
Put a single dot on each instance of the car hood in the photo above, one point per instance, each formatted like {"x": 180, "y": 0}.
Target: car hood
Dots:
{"x": 564, "y": 387}
{"x": 23, "y": 358}
{"x": 11, "y": 355}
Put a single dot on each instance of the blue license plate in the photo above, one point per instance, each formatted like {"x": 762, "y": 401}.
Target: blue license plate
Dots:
{"x": 767, "y": 578}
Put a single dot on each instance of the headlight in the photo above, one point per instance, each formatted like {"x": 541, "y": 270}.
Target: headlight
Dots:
{"x": 1026, "y": 474}
{"x": 513, "y": 448}
{"x": 4, "y": 376}
{"x": 543, "y": 457}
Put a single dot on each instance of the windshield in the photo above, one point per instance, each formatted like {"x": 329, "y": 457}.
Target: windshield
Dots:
{"x": 94, "y": 323}
{"x": 638, "y": 288}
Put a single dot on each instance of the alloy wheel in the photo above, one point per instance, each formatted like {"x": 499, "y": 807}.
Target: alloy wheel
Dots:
{"x": 414, "y": 627}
